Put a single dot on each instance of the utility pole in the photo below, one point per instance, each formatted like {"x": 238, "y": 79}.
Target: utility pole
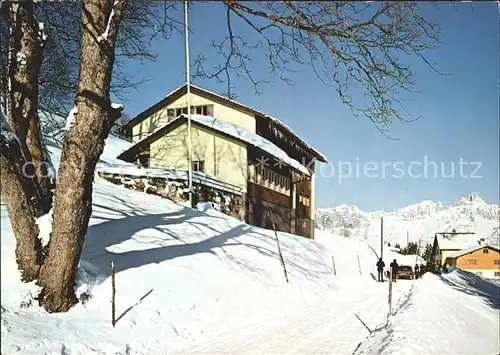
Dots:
{"x": 382, "y": 237}
{"x": 407, "y": 238}
{"x": 188, "y": 95}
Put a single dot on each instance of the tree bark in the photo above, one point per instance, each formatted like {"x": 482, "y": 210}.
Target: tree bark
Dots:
{"x": 82, "y": 149}
{"x": 16, "y": 195}
{"x": 25, "y": 61}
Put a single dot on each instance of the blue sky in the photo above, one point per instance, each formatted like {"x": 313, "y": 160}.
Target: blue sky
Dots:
{"x": 459, "y": 113}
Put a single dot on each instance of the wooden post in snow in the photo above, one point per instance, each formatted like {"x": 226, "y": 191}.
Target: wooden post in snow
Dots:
{"x": 334, "y": 270}
{"x": 113, "y": 292}
{"x": 359, "y": 266}
{"x": 369, "y": 330}
{"x": 390, "y": 293}
{"x": 279, "y": 249}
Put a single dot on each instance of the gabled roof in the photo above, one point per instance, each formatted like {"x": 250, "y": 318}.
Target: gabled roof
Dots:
{"x": 472, "y": 250}
{"x": 182, "y": 90}
{"x": 222, "y": 127}
{"x": 453, "y": 244}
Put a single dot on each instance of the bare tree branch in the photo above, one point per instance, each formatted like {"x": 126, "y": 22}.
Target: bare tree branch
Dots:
{"x": 348, "y": 45}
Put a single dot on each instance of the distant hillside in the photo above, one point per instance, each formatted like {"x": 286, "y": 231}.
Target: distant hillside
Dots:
{"x": 420, "y": 221}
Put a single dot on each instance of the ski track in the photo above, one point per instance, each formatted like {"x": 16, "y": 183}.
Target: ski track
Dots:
{"x": 318, "y": 329}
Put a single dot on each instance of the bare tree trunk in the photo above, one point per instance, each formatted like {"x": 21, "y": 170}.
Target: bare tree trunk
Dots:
{"x": 16, "y": 195}
{"x": 20, "y": 191}
{"x": 25, "y": 61}
{"x": 82, "y": 148}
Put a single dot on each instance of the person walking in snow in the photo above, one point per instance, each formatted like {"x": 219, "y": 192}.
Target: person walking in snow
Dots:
{"x": 380, "y": 269}
{"x": 395, "y": 268}
{"x": 416, "y": 270}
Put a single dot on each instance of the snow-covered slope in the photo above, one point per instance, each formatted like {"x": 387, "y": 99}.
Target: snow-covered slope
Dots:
{"x": 420, "y": 221}
{"x": 183, "y": 277}
{"x": 456, "y": 313}
{"x": 197, "y": 281}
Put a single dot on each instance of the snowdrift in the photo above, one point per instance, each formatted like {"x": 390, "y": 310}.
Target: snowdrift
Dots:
{"x": 456, "y": 313}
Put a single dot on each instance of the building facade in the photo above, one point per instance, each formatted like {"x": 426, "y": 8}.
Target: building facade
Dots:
{"x": 482, "y": 260}
{"x": 443, "y": 247}
{"x": 235, "y": 144}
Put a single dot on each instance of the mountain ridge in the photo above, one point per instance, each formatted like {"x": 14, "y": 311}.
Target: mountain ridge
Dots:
{"x": 416, "y": 222}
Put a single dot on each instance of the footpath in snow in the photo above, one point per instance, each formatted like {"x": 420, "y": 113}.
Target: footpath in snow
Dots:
{"x": 327, "y": 327}
{"x": 456, "y": 313}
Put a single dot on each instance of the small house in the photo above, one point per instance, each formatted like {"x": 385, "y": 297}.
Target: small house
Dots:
{"x": 482, "y": 260}
{"x": 444, "y": 247}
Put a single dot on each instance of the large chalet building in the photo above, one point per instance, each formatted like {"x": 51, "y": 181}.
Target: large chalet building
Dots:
{"x": 237, "y": 145}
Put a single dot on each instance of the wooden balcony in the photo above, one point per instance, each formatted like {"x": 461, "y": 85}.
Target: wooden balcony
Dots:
{"x": 304, "y": 187}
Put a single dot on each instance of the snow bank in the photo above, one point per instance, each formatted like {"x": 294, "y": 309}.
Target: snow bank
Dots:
{"x": 452, "y": 314}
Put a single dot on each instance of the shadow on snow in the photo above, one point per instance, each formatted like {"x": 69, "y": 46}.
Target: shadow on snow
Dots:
{"x": 131, "y": 220}
{"x": 477, "y": 286}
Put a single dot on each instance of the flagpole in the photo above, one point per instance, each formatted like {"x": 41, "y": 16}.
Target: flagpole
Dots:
{"x": 190, "y": 163}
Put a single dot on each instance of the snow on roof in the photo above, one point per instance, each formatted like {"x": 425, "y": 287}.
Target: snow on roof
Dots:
{"x": 241, "y": 134}
{"x": 265, "y": 115}
{"x": 456, "y": 243}
{"x": 317, "y": 152}
{"x": 249, "y": 137}
{"x": 472, "y": 249}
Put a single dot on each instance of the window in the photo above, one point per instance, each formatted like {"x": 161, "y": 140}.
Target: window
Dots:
{"x": 170, "y": 114}
{"x": 485, "y": 251}
{"x": 304, "y": 200}
{"x": 471, "y": 261}
{"x": 199, "y": 165}
{"x": 497, "y": 273}
{"x": 200, "y": 110}
{"x": 206, "y": 110}
{"x": 497, "y": 262}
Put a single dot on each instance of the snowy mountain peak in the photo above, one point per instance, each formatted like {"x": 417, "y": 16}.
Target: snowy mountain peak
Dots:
{"x": 419, "y": 221}
{"x": 420, "y": 210}
{"x": 472, "y": 198}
